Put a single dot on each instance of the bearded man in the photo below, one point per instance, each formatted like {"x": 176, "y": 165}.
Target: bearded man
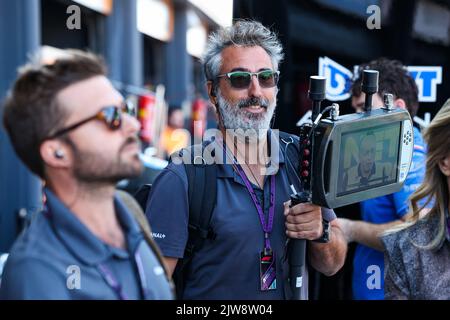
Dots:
{"x": 252, "y": 217}
{"x": 70, "y": 127}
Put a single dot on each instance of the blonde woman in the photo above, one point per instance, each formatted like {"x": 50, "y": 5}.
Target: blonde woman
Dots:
{"x": 417, "y": 254}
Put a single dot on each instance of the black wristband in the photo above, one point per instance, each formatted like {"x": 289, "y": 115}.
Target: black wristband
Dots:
{"x": 325, "y": 238}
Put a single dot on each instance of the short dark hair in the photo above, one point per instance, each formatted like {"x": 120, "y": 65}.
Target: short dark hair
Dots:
{"x": 393, "y": 78}
{"x": 31, "y": 110}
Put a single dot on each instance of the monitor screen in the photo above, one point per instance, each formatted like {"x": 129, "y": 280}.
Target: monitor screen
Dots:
{"x": 368, "y": 158}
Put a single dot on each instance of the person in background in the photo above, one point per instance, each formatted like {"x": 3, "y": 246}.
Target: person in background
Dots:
{"x": 174, "y": 137}
{"x": 380, "y": 214}
{"x": 418, "y": 252}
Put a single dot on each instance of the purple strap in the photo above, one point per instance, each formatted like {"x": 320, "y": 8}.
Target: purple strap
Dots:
{"x": 116, "y": 286}
{"x": 267, "y": 227}
{"x": 448, "y": 222}
{"x": 111, "y": 281}
{"x": 108, "y": 276}
{"x": 141, "y": 271}
{"x": 448, "y": 226}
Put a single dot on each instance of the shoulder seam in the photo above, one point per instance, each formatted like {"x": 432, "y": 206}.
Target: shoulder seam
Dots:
{"x": 176, "y": 173}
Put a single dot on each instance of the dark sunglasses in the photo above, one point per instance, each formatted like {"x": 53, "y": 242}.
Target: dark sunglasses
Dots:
{"x": 111, "y": 116}
{"x": 242, "y": 79}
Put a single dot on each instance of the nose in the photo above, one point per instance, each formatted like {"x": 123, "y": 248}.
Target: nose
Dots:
{"x": 130, "y": 125}
{"x": 255, "y": 89}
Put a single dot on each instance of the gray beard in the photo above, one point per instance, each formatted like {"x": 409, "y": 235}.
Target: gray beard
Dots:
{"x": 234, "y": 117}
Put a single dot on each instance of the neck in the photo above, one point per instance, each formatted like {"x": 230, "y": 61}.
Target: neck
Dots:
{"x": 93, "y": 205}
{"x": 248, "y": 150}
{"x": 251, "y": 154}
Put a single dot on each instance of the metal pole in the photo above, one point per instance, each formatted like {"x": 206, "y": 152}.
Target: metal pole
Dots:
{"x": 124, "y": 44}
{"x": 179, "y": 72}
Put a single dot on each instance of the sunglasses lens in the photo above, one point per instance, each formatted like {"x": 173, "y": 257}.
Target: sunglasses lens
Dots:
{"x": 129, "y": 108}
{"x": 268, "y": 79}
{"x": 240, "y": 80}
{"x": 112, "y": 117}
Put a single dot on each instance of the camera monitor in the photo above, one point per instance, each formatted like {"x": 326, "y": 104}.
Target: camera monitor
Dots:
{"x": 361, "y": 156}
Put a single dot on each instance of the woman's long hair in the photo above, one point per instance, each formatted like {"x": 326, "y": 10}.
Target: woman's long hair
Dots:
{"x": 434, "y": 189}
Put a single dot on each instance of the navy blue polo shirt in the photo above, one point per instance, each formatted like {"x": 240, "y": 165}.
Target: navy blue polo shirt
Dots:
{"x": 57, "y": 257}
{"x": 228, "y": 266}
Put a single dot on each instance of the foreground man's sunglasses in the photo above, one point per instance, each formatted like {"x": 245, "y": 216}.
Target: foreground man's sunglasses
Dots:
{"x": 242, "y": 79}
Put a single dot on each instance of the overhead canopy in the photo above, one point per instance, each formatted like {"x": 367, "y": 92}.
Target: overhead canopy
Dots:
{"x": 155, "y": 19}
{"x": 102, "y": 6}
{"x": 220, "y": 12}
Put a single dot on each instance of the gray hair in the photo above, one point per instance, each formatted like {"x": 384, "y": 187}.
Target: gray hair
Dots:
{"x": 245, "y": 33}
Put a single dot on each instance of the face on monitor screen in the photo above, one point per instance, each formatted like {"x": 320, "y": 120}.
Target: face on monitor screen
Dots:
{"x": 368, "y": 158}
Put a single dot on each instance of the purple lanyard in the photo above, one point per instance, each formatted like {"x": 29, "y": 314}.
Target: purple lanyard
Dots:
{"x": 267, "y": 227}
{"x": 111, "y": 281}
{"x": 108, "y": 276}
{"x": 448, "y": 221}
{"x": 448, "y": 227}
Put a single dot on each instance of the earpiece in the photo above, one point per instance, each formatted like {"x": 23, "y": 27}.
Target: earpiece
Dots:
{"x": 59, "y": 154}
{"x": 212, "y": 93}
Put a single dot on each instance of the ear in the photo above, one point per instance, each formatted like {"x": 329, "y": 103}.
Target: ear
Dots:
{"x": 211, "y": 92}
{"x": 444, "y": 165}
{"x": 55, "y": 154}
{"x": 400, "y": 103}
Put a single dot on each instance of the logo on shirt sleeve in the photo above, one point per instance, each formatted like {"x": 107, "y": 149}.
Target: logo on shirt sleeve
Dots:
{"x": 158, "y": 235}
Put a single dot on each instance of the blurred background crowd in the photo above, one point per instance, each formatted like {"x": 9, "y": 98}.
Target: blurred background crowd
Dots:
{"x": 153, "y": 50}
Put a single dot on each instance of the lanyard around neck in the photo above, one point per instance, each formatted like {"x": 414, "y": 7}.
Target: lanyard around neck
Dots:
{"x": 267, "y": 226}
{"x": 114, "y": 284}
{"x": 111, "y": 281}
{"x": 109, "y": 277}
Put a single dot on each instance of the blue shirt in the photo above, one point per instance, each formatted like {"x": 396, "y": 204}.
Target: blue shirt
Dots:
{"x": 57, "y": 257}
{"x": 368, "y": 263}
{"x": 228, "y": 266}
